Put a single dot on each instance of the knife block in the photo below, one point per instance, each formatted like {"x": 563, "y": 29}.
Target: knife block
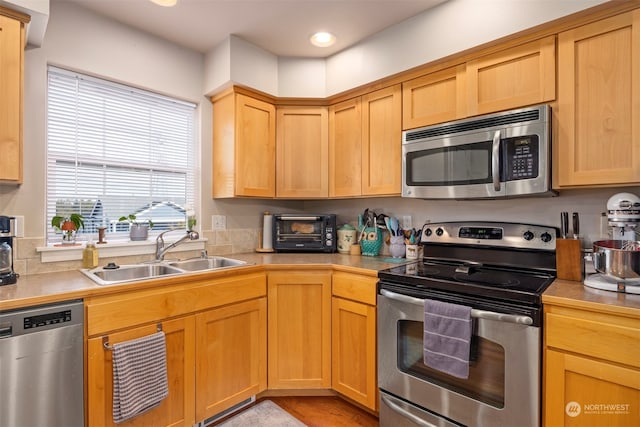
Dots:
{"x": 569, "y": 259}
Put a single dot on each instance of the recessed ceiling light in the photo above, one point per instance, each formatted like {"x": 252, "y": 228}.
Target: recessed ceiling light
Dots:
{"x": 323, "y": 39}
{"x": 165, "y": 3}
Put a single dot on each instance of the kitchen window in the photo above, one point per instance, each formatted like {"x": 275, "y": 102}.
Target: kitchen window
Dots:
{"x": 115, "y": 150}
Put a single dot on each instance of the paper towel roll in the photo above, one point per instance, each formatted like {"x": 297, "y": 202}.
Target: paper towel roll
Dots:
{"x": 267, "y": 233}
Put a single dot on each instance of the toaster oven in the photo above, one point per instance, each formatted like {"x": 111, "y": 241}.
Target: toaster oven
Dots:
{"x": 304, "y": 233}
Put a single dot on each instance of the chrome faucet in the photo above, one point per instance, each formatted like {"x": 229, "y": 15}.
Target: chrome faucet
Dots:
{"x": 161, "y": 249}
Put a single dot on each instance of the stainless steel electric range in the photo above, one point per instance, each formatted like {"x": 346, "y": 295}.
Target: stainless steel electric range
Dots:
{"x": 500, "y": 271}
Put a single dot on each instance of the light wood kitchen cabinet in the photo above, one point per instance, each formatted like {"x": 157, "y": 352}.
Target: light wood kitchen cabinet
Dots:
{"x": 592, "y": 368}
{"x": 598, "y": 108}
{"x": 244, "y": 146}
{"x": 12, "y": 43}
{"x": 299, "y": 329}
{"x": 199, "y": 319}
{"x": 177, "y": 409}
{"x": 377, "y": 148}
{"x": 353, "y": 338}
{"x": 434, "y": 98}
{"x": 513, "y": 77}
{"x": 345, "y": 149}
{"x": 302, "y": 152}
{"x": 382, "y": 142}
{"x": 231, "y": 353}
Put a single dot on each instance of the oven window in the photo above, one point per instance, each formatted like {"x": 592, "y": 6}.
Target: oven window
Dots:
{"x": 486, "y": 367}
{"x": 299, "y": 230}
{"x": 460, "y": 164}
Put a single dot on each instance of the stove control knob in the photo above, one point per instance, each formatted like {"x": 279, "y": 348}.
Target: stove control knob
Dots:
{"x": 439, "y": 232}
{"x": 528, "y": 235}
{"x": 428, "y": 232}
{"x": 546, "y": 237}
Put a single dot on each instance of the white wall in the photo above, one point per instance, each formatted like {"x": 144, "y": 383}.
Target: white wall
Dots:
{"x": 450, "y": 27}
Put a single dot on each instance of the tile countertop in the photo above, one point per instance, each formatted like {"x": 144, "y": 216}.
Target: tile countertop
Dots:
{"x": 47, "y": 288}
{"x": 575, "y": 294}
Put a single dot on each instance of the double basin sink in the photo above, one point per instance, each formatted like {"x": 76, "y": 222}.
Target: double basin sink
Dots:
{"x": 112, "y": 274}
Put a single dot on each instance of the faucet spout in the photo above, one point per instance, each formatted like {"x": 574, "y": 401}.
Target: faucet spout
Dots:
{"x": 161, "y": 249}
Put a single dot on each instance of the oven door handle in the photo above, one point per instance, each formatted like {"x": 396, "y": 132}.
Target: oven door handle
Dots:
{"x": 406, "y": 414}
{"x": 480, "y": 314}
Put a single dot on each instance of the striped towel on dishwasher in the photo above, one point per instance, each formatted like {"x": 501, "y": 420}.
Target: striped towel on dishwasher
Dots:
{"x": 139, "y": 376}
{"x": 447, "y": 337}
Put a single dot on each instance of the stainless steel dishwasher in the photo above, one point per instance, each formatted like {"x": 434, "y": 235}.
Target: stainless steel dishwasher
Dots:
{"x": 42, "y": 366}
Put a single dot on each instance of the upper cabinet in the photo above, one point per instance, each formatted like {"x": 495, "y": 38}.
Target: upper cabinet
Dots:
{"x": 244, "y": 146}
{"x": 515, "y": 77}
{"x": 597, "y": 141}
{"x": 12, "y": 42}
{"x": 434, "y": 98}
{"x": 382, "y": 142}
{"x": 509, "y": 78}
{"x": 365, "y": 137}
{"x": 302, "y": 151}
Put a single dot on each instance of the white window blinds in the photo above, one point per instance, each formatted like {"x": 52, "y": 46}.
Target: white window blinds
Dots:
{"x": 113, "y": 150}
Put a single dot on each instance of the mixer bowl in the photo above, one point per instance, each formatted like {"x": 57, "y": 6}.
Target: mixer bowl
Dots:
{"x": 611, "y": 259}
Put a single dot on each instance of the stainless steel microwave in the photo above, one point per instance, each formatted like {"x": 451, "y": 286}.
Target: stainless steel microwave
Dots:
{"x": 497, "y": 155}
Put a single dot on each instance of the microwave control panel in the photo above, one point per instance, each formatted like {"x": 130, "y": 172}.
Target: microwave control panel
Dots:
{"x": 521, "y": 157}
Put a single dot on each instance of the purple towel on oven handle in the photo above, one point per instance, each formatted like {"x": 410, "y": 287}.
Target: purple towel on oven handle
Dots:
{"x": 447, "y": 337}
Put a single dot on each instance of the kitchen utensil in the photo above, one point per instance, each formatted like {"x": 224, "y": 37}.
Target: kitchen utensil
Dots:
{"x": 611, "y": 259}
{"x": 564, "y": 224}
{"x": 576, "y": 225}
{"x": 569, "y": 260}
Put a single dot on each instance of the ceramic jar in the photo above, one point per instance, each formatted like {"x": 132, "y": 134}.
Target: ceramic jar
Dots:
{"x": 396, "y": 246}
{"x": 346, "y": 238}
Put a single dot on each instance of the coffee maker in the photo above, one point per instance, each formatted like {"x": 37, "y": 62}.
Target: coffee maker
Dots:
{"x": 7, "y": 233}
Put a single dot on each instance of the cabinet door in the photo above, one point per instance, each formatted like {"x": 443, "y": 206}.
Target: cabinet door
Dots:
{"x": 382, "y": 142}
{"x": 435, "y": 98}
{"x": 302, "y": 152}
{"x": 345, "y": 149}
{"x": 255, "y": 130}
{"x": 231, "y": 356}
{"x": 177, "y": 409}
{"x": 584, "y": 392}
{"x": 299, "y": 319}
{"x": 11, "y": 70}
{"x": 598, "y": 112}
{"x": 353, "y": 351}
{"x": 515, "y": 77}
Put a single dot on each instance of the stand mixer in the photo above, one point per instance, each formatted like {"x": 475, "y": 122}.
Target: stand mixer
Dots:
{"x": 617, "y": 261}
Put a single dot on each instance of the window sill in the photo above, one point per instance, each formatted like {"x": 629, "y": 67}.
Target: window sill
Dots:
{"x": 114, "y": 249}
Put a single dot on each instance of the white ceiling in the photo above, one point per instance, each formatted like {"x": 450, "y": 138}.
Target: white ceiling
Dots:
{"x": 281, "y": 27}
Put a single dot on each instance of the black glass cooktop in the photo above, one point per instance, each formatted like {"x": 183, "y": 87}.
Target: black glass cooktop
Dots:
{"x": 479, "y": 280}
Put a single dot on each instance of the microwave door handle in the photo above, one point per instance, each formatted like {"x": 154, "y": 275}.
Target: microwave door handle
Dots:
{"x": 479, "y": 314}
{"x": 495, "y": 161}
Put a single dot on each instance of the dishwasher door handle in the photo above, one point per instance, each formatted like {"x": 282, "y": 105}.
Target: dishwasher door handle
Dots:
{"x": 479, "y": 314}
{"x": 6, "y": 330}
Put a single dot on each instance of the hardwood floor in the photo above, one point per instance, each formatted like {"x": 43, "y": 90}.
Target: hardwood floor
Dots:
{"x": 325, "y": 411}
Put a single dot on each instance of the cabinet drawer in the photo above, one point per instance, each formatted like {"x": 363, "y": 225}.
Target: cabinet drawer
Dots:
{"x": 355, "y": 287}
{"x": 598, "y": 335}
{"x": 115, "y": 312}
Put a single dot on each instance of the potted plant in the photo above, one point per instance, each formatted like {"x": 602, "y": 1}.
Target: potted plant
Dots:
{"x": 69, "y": 225}
{"x": 138, "y": 229}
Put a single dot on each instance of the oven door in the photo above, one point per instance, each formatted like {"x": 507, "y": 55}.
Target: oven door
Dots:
{"x": 503, "y": 388}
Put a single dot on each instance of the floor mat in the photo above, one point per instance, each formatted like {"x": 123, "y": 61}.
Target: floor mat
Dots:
{"x": 264, "y": 414}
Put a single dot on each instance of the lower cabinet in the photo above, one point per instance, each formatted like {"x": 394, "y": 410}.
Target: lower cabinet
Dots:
{"x": 231, "y": 363}
{"x": 216, "y": 344}
{"x": 353, "y": 338}
{"x": 299, "y": 319}
{"x": 592, "y": 368}
{"x": 177, "y": 409}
